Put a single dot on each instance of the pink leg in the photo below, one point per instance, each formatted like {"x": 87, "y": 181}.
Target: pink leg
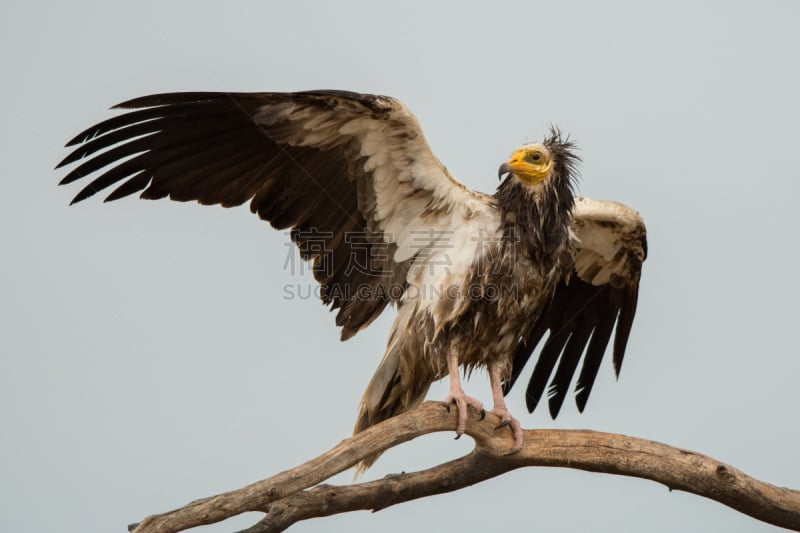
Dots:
{"x": 457, "y": 395}
{"x": 501, "y": 410}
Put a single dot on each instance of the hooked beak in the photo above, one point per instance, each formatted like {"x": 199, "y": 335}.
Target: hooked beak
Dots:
{"x": 505, "y": 168}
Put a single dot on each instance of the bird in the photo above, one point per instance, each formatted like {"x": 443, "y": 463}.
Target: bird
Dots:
{"x": 477, "y": 279}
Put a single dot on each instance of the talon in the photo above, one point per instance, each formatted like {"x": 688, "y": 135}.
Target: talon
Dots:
{"x": 447, "y": 406}
{"x": 501, "y": 410}
{"x": 463, "y": 403}
{"x": 511, "y": 452}
{"x": 513, "y": 423}
{"x": 458, "y": 436}
{"x": 483, "y": 414}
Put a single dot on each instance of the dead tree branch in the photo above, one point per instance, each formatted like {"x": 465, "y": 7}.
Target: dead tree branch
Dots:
{"x": 288, "y": 497}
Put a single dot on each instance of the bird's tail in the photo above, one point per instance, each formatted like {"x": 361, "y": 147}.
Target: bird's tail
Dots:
{"x": 396, "y": 387}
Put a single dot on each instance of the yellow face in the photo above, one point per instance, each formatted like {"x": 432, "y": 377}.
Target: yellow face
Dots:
{"x": 530, "y": 164}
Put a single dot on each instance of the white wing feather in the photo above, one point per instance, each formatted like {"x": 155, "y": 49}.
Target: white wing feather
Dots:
{"x": 610, "y": 241}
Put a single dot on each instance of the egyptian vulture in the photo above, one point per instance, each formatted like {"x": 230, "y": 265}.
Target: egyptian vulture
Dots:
{"x": 477, "y": 279}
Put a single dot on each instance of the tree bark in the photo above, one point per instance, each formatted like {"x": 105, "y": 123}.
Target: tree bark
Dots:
{"x": 288, "y": 497}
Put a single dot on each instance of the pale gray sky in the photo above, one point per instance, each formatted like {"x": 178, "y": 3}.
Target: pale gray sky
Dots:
{"x": 149, "y": 356}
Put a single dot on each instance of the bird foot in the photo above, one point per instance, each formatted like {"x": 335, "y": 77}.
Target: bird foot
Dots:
{"x": 507, "y": 420}
{"x": 463, "y": 402}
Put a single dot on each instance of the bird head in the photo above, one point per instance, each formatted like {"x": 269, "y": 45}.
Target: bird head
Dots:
{"x": 531, "y": 164}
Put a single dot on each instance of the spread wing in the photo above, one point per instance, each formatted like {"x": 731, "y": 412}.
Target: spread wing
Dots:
{"x": 600, "y": 294}
{"x": 350, "y": 174}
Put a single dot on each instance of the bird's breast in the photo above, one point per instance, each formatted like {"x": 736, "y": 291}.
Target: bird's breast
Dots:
{"x": 480, "y": 296}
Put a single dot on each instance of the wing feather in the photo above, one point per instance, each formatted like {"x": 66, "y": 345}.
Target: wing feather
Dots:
{"x": 327, "y": 164}
{"x": 600, "y": 297}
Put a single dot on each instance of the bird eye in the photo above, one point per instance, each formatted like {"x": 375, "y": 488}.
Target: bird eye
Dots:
{"x": 535, "y": 157}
